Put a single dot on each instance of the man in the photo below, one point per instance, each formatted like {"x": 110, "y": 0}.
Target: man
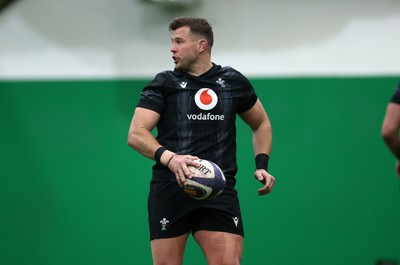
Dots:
{"x": 194, "y": 108}
{"x": 391, "y": 125}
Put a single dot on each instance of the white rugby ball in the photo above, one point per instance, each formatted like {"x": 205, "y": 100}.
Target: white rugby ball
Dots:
{"x": 208, "y": 181}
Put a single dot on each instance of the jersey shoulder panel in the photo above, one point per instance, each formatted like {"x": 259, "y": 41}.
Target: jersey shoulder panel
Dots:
{"x": 230, "y": 71}
{"x": 248, "y": 94}
{"x": 153, "y": 95}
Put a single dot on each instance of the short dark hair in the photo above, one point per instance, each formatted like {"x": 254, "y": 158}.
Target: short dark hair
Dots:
{"x": 198, "y": 26}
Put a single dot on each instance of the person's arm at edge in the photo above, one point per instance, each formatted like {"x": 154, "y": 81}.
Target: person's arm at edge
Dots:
{"x": 258, "y": 121}
{"x": 390, "y": 131}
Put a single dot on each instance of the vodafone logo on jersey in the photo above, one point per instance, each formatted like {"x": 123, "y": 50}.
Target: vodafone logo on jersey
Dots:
{"x": 206, "y": 99}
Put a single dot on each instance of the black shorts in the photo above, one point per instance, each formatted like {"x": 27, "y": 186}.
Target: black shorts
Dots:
{"x": 173, "y": 213}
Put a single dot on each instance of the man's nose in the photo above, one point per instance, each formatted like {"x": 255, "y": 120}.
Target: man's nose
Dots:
{"x": 173, "y": 48}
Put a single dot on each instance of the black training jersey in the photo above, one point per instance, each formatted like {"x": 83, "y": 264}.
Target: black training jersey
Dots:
{"x": 198, "y": 114}
{"x": 396, "y": 96}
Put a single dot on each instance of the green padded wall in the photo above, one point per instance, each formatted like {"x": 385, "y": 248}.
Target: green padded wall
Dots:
{"x": 73, "y": 192}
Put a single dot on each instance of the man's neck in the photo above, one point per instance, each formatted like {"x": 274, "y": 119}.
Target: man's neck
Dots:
{"x": 201, "y": 68}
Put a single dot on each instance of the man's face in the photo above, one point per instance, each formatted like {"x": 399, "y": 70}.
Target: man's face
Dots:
{"x": 184, "y": 49}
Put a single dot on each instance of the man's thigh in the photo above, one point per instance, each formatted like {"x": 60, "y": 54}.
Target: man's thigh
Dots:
{"x": 168, "y": 250}
{"x": 220, "y": 247}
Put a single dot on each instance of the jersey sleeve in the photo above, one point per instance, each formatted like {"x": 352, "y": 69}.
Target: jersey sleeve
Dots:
{"x": 249, "y": 96}
{"x": 396, "y": 96}
{"x": 152, "y": 96}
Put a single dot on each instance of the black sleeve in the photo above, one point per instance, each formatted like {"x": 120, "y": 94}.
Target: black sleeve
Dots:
{"x": 396, "y": 96}
{"x": 152, "y": 95}
{"x": 249, "y": 96}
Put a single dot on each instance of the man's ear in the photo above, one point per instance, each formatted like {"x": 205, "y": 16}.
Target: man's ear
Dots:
{"x": 203, "y": 45}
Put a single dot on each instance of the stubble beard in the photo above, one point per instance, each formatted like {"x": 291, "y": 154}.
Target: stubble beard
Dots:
{"x": 186, "y": 65}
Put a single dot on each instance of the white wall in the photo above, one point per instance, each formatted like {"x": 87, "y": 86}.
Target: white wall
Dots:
{"x": 129, "y": 38}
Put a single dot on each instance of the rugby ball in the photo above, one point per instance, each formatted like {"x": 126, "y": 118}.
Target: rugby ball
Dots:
{"x": 208, "y": 181}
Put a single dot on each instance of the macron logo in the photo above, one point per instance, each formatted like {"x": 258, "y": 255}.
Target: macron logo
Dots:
{"x": 236, "y": 220}
{"x": 183, "y": 84}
